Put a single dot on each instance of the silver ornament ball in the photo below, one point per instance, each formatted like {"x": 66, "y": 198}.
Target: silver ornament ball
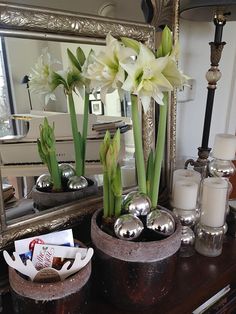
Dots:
{"x": 161, "y": 221}
{"x": 128, "y": 227}
{"x": 67, "y": 171}
{"x": 44, "y": 183}
{"x": 137, "y": 204}
{"x": 77, "y": 183}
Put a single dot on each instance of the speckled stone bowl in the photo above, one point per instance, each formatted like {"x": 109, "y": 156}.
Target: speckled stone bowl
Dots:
{"x": 68, "y": 296}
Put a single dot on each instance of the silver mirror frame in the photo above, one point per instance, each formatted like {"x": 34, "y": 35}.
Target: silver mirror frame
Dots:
{"x": 33, "y": 22}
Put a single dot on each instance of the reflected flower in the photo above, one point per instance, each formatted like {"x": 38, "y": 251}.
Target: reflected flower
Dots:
{"x": 41, "y": 77}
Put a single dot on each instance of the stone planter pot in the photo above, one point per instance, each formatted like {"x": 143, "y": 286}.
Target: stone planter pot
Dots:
{"x": 45, "y": 200}
{"x": 68, "y": 296}
{"x": 133, "y": 275}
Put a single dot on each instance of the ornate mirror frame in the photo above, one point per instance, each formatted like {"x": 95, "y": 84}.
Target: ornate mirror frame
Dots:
{"x": 41, "y": 23}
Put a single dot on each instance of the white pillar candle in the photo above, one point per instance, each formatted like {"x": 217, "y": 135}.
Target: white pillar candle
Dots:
{"x": 128, "y": 176}
{"x": 213, "y": 202}
{"x": 181, "y": 174}
{"x": 185, "y": 194}
{"x": 224, "y": 146}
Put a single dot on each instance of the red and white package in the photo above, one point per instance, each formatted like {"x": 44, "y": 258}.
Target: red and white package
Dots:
{"x": 54, "y": 256}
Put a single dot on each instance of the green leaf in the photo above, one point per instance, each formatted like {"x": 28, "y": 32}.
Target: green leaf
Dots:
{"x": 73, "y": 60}
{"x": 57, "y": 80}
{"x": 166, "y": 41}
{"x": 80, "y": 56}
{"x": 73, "y": 78}
{"x": 131, "y": 43}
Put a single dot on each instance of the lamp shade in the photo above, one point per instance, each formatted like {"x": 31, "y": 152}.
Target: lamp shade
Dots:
{"x": 201, "y": 10}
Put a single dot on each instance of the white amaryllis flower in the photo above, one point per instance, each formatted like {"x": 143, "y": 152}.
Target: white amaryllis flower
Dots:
{"x": 104, "y": 70}
{"x": 41, "y": 77}
{"x": 145, "y": 77}
{"x": 172, "y": 73}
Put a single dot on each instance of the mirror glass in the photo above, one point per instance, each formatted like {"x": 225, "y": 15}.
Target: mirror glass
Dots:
{"x": 28, "y": 30}
{"x": 26, "y": 108}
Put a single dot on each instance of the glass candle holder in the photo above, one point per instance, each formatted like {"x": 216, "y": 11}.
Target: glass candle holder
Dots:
{"x": 221, "y": 168}
{"x": 210, "y": 230}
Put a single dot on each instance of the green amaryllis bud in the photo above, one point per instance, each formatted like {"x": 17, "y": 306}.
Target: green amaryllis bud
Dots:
{"x": 116, "y": 144}
{"x": 80, "y": 56}
{"x": 159, "y": 52}
{"x": 166, "y": 41}
{"x": 131, "y": 43}
{"x": 116, "y": 182}
{"x": 73, "y": 60}
{"x": 110, "y": 161}
{"x": 41, "y": 152}
{"x": 104, "y": 148}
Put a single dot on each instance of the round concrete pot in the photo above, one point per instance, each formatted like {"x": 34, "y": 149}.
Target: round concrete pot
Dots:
{"x": 68, "y": 296}
{"x": 133, "y": 275}
{"x": 45, "y": 200}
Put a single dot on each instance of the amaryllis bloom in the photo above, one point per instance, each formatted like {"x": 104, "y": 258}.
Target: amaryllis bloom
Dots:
{"x": 146, "y": 78}
{"x": 104, "y": 70}
{"x": 41, "y": 77}
{"x": 172, "y": 73}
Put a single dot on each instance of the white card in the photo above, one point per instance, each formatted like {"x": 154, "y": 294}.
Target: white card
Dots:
{"x": 64, "y": 237}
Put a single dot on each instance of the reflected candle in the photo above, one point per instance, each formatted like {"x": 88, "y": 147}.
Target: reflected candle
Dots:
{"x": 185, "y": 194}
{"x": 128, "y": 175}
{"x": 213, "y": 202}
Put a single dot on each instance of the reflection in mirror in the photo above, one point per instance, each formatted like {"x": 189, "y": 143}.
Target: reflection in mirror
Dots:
{"x": 46, "y": 24}
{"x": 27, "y": 111}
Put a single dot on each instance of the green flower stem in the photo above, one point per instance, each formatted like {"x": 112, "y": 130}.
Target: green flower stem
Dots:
{"x": 55, "y": 172}
{"x": 159, "y": 153}
{"x": 140, "y": 163}
{"x": 85, "y": 129}
{"x": 111, "y": 200}
{"x": 118, "y": 202}
{"x": 75, "y": 133}
{"x": 105, "y": 194}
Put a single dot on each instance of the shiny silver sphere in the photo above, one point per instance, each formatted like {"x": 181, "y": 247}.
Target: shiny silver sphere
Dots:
{"x": 161, "y": 222}
{"x": 67, "y": 171}
{"x": 187, "y": 217}
{"x": 128, "y": 227}
{"x": 44, "y": 183}
{"x": 187, "y": 236}
{"x": 77, "y": 183}
{"x": 221, "y": 168}
{"x": 137, "y": 204}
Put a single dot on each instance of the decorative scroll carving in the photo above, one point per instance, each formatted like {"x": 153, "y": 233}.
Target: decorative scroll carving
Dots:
{"x": 41, "y": 20}
{"x": 163, "y": 13}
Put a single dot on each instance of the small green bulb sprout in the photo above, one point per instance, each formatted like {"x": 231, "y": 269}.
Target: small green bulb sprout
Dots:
{"x": 47, "y": 152}
{"x": 112, "y": 186}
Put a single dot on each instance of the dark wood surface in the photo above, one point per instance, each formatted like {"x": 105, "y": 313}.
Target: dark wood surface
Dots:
{"x": 196, "y": 280}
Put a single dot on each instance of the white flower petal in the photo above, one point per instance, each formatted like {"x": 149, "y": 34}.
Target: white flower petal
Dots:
{"x": 145, "y": 102}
